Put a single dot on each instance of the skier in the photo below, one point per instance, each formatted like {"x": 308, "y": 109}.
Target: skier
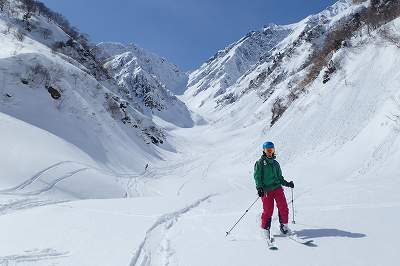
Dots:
{"x": 269, "y": 181}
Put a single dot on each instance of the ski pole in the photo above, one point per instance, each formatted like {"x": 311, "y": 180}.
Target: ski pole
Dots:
{"x": 293, "y": 221}
{"x": 227, "y": 233}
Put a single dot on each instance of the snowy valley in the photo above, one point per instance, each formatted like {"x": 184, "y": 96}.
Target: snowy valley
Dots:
{"x": 111, "y": 155}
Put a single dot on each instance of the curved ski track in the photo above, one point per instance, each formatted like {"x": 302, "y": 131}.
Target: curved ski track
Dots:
{"x": 32, "y": 256}
{"x": 146, "y": 250}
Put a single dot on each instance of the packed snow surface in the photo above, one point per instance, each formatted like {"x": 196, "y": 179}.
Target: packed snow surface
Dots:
{"x": 69, "y": 196}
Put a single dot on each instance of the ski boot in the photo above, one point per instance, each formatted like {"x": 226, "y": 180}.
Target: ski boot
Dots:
{"x": 285, "y": 229}
{"x": 266, "y": 234}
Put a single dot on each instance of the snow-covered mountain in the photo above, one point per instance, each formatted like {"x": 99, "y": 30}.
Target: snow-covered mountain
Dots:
{"x": 137, "y": 59}
{"x": 280, "y": 56}
{"x": 147, "y": 79}
{"x": 52, "y": 79}
{"x": 226, "y": 66}
{"x": 326, "y": 93}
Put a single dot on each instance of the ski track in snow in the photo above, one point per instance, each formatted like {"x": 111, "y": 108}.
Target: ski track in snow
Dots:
{"x": 37, "y": 176}
{"x": 18, "y": 190}
{"x": 32, "y": 256}
{"x": 136, "y": 186}
{"x": 187, "y": 181}
{"x": 146, "y": 251}
{"x": 25, "y": 199}
{"x": 49, "y": 185}
{"x": 26, "y": 203}
{"x": 33, "y": 179}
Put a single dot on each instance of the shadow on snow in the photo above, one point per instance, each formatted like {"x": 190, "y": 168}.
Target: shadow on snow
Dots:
{"x": 326, "y": 232}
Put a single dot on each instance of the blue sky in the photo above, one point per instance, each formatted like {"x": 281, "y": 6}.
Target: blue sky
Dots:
{"x": 186, "y": 32}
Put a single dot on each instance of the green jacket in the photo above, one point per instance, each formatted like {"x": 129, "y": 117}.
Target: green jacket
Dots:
{"x": 268, "y": 174}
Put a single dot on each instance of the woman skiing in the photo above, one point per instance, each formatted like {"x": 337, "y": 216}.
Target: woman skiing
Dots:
{"x": 269, "y": 182}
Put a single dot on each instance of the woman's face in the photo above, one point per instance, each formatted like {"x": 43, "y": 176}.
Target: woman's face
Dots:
{"x": 269, "y": 152}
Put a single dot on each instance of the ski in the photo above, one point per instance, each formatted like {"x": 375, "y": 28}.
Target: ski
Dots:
{"x": 295, "y": 238}
{"x": 271, "y": 244}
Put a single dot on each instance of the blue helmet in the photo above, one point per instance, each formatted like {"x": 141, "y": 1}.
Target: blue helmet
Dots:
{"x": 268, "y": 145}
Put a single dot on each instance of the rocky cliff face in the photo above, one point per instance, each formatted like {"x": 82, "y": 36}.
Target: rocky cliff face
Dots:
{"x": 276, "y": 63}
{"x": 148, "y": 80}
{"x": 228, "y": 65}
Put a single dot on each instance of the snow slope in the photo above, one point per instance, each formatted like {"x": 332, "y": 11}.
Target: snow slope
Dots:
{"x": 84, "y": 144}
{"x": 339, "y": 143}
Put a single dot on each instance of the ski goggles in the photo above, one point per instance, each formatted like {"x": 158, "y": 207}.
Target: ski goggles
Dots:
{"x": 270, "y": 150}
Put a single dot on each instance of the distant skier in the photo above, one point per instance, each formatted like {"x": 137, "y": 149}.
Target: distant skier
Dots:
{"x": 269, "y": 181}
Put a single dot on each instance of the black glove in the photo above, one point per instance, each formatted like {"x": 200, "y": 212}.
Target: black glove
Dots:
{"x": 260, "y": 191}
{"x": 290, "y": 184}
